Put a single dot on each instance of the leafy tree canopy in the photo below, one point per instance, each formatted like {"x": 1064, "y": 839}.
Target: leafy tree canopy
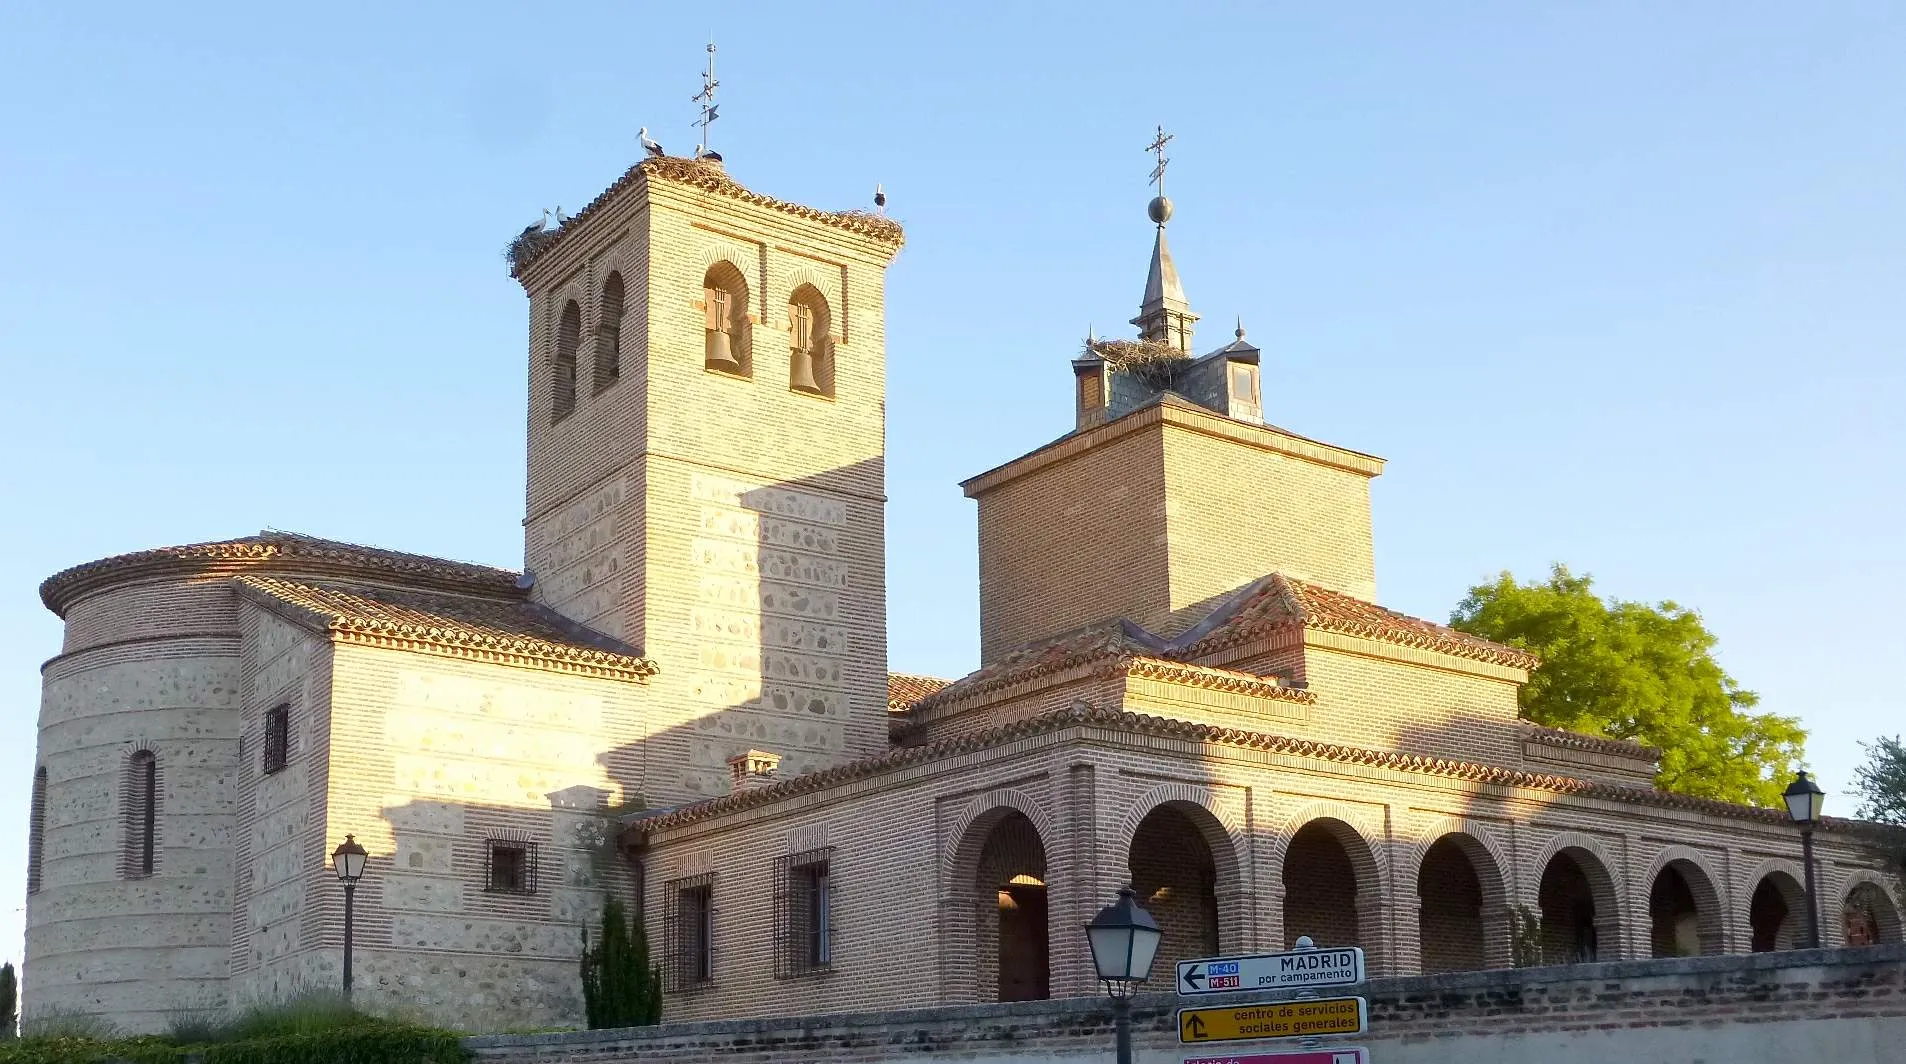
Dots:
{"x": 1880, "y": 781}
{"x": 1629, "y": 670}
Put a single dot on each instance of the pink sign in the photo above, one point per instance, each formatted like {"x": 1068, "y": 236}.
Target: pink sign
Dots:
{"x": 1334, "y": 1055}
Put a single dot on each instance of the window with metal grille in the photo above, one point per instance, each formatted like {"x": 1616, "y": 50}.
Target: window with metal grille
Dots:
{"x": 803, "y": 913}
{"x": 36, "y": 832}
{"x": 140, "y": 802}
{"x": 277, "y": 738}
{"x": 509, "y": 866}
{"x": 691, "y": 932}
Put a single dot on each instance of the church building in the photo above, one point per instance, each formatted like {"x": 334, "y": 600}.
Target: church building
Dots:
{"x": 683, "y": 699}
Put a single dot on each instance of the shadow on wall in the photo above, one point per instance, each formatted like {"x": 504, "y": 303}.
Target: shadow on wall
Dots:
{"x": 477, "y": 916}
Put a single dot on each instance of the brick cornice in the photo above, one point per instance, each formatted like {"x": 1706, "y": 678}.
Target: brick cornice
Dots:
{"x": 1195, "y": 419}
{"x": 1083, "y": 716}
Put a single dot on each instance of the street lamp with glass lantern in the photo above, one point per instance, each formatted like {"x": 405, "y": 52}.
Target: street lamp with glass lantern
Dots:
{"x": 1804, "y": 801}
{"x": 1124, "y": 940}
{"x": 348, "y": 862}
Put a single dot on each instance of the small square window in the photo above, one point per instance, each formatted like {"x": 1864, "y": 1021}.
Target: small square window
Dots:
{"x": 277, "y": 738}
{"x": 511, "y": 867}
{"x": 1243, "y": 381}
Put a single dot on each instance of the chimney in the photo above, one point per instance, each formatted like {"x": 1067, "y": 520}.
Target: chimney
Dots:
{"x": 753, "y": 770}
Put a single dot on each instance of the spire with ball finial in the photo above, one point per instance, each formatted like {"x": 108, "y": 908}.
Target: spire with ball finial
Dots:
{"x": 1165, "y": 316}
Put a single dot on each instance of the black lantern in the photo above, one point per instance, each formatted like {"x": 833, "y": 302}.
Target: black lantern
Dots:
{"x": 348, "y": 862}
{"x": 1804, "y": 800}
{"x": 1124, "y": 940}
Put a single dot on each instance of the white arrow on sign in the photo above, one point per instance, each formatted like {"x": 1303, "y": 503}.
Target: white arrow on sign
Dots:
{"x": 1298, "y": 969}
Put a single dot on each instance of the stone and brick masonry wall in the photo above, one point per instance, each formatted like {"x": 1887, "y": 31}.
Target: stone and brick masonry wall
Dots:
{"x": 1824, "y": 1006}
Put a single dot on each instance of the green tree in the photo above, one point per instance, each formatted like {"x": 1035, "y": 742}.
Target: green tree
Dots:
{"x": 9, "y": 1000}
{"x": 1629, "y": 670}
{"x": 620, "y": 988}
{"x": 1880, "y": 781}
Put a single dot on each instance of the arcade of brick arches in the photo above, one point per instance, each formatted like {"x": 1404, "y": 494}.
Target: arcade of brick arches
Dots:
{"x": 1463, "y": 918}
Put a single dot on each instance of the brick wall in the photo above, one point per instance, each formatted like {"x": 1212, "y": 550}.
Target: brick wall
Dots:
{"x": 730, "y": 525}
{"x": 1844, "y": 1006}
{"x": 1156, "y": 516}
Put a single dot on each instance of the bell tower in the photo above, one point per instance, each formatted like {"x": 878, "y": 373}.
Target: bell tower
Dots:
{"x": 706, "y": 480}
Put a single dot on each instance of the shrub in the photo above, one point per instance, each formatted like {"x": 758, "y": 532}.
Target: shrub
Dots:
{"x": 620, "y": 988}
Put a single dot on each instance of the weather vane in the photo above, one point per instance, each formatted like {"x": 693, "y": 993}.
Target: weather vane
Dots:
{"x": 1158, "y": 146}
{"x": 706, "y": 98}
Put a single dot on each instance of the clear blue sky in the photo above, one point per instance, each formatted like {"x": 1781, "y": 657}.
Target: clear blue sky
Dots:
{"x": 1615, "y": 284}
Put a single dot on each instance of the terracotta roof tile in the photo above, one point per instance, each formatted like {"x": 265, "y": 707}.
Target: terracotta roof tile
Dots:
{"x": 713, "y": 178}
{"x": 904, "y": 689}
{"x": 1081, "y": 715}
{"x": 273, "y": 549}
{"x": 502, "y": 625}
{"x": 1279, "y": 601}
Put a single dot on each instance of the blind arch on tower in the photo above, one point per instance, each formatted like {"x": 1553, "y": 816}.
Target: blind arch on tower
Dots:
{"x": 562, "y": 401}
{"x": 608, "y": 358}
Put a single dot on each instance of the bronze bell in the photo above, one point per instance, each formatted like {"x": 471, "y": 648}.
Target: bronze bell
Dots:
{"x": 801, "y": 371}
{"x": 721, "y": 353}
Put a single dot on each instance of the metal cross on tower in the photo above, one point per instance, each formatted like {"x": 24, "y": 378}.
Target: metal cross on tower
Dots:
{"x": 1158, "y": 146}
{"x": 706, "y": 98}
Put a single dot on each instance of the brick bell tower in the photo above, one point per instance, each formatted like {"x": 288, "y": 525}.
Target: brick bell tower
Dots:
{"x": 707, "y": 396}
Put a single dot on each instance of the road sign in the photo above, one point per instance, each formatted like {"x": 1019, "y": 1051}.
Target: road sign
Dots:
{"x": 1273, "y": 1019}
{"x": 1333, "y": 1055}
{"x": 1297, "y": 970}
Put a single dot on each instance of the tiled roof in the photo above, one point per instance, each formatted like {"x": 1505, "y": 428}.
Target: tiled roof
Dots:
{"x": 1100, "y": 642}
{"x": 511, "y": 626}
{"x": 904, "y": 689}
{"x": 1591, "y": 743}
{"x": 1272, "y": 603}
{"x": 262, "y": 551}
{"x": 711, "y": 177}
{"x": 1278, "y": 601}
{"x": 1081, "y": 715}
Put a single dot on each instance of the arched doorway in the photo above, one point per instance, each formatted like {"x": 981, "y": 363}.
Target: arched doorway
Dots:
{"x": 1683, "y": 911}
{"x": 1010, "y": 912}
{"x": 1776, "y": 914}
{"x": 1460, "y": 906}
{"x": 1176, "y": 878}
{"x": 1868, "y": 917}
{"x": 1576, "y": 897}
{"x": 1326, "y": 867}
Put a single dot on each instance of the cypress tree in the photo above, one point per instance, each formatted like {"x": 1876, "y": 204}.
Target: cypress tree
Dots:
{"x": 9, "y": 1000}
{"x": 620, "y": 988}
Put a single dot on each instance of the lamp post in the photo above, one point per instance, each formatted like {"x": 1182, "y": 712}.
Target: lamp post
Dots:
{"x": 348, "y": 862}
{"x": 1124, "y": 939}
{"x": 1804, "y": 799}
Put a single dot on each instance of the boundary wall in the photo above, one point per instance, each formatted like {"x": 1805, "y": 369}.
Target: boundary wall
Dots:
{"x": 1844, "y": 1006}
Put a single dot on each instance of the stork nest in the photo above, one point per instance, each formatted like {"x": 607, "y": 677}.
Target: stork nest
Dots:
{"x": 523, "y": 250}
{"x": 1150, "y": 361}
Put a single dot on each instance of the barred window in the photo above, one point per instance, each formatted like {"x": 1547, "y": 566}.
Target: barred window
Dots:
{"x": 140, "y": 803}
{"x": 277, "y": 738}
{"x": 36, "y": 832}
{"x": 691, "y": 932}
{"x": 803, "y": 913}
{"x": 509, "y": 866}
